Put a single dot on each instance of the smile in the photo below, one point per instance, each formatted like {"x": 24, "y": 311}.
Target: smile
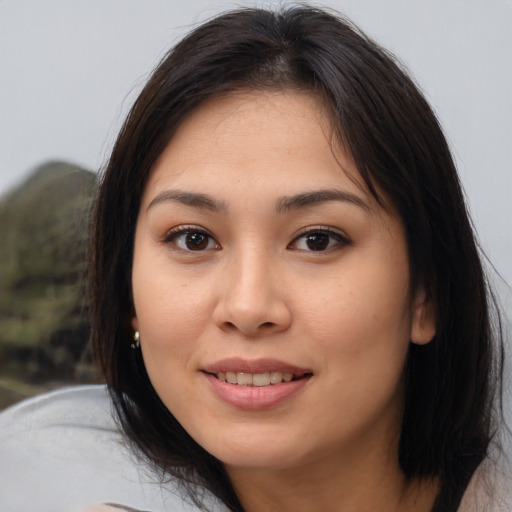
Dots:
{"x": 256, "y": 379}
{"x": 245, "y": 395}
{"x": 255, "y": 385}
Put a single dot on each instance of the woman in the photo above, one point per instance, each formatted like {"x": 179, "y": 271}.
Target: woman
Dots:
{"x": 288, "y": 302}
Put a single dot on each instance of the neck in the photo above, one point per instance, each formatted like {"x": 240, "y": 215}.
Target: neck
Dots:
{"x": 365, "y": 484}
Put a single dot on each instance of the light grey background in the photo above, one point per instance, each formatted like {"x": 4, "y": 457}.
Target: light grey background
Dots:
{"x": 70, "y": 69}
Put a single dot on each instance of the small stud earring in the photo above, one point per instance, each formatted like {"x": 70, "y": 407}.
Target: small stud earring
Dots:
{"x": 136, "y": 341}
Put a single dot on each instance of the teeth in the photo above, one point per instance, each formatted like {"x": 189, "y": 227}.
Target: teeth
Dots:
{"x": 276, "y": 377}
{"x": 255, "y": 379}
{"x": 244, "y": 379}
{"x": 261, "y": 379}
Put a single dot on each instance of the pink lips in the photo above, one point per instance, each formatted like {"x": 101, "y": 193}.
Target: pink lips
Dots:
{"x": 255, "y": 398}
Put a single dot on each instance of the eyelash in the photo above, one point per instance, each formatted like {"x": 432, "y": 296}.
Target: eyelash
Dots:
{"x": 341, "y": 240}
{"x": 173, "y": 236}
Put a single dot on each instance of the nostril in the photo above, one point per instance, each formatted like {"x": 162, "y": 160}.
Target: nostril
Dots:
{"x": 261, "y": 328}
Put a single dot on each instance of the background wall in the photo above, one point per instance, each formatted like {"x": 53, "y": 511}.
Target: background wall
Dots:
{"x": 70, "y": 70}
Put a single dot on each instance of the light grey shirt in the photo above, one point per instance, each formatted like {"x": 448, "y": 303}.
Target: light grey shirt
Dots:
{"x": 62, "y": 451}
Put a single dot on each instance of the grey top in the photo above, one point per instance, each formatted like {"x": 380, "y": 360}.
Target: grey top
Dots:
{"x": 62, "y": 451}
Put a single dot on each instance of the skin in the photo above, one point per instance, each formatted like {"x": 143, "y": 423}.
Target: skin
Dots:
{"x": 255, "y": 290}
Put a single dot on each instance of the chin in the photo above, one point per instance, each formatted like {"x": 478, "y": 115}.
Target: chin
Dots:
{"x": 257, "y": 451}
{"x": 260, "y": 460}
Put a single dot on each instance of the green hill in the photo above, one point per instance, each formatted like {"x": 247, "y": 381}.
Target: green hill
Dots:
{"x": 44, "y": 227}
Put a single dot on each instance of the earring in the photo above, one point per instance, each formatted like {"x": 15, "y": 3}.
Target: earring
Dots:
{"x": 136, "y": 341}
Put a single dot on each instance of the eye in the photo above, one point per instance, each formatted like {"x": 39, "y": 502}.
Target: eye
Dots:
{"x": 318, "y": 240}
{"x": 189, "y": 238}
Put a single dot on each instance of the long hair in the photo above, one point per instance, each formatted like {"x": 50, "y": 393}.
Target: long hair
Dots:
{"x": 384, "y": 123}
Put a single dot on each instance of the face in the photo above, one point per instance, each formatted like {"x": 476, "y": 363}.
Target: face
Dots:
{"x": 271, "y": 291}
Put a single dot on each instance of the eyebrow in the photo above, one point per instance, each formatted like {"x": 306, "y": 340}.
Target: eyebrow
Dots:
{"x": 283, "y": 204}
{"x": 306, "y": 199}
{"x": 194, "y": 199}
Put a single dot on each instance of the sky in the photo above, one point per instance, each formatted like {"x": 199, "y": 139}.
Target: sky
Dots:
{"x": 69, "y": 71}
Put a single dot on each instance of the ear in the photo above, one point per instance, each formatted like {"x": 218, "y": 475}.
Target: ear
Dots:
{"x": 423, "y": 327}
{"x": 135, "y": 323}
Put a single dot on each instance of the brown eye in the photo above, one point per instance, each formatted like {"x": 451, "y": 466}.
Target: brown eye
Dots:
{"x": 188, "y": 239}
{"x": 196, "y": 241}
{"x": 317, "y": 241}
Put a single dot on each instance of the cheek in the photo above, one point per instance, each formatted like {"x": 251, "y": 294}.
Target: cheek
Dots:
{"x": 163, "y": 294}
{"x": 361, "y": 323}
{"x": 363, "y": 340}
{"x": 171, "y": 314}
{"x": 172, "y": 319}
{"x": 170, "y": 322}
{"x": 356, "y": 300}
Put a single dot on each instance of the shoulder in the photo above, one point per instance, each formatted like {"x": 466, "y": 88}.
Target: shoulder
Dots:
{"x": 490, "y": 489}
{"x": 66, "y": 449}
{"x": 109, "y": 508}
{"x": 81, "y": 406}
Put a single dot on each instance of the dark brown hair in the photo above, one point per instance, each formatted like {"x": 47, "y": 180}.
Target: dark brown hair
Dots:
{"x": 396, "y": 142}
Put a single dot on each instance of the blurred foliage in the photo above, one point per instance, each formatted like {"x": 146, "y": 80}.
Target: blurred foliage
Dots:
{"x": 43, "y": 314}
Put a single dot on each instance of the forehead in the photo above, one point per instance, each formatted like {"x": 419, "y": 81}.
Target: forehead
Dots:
{"x": 284, "y": 138}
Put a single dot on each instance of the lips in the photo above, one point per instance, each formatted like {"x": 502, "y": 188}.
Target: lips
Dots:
{"x": 254, "y": 385}
{"x": 261, "y": 372}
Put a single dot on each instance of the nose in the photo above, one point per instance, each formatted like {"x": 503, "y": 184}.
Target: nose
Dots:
{"x": 252, "y": 297}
